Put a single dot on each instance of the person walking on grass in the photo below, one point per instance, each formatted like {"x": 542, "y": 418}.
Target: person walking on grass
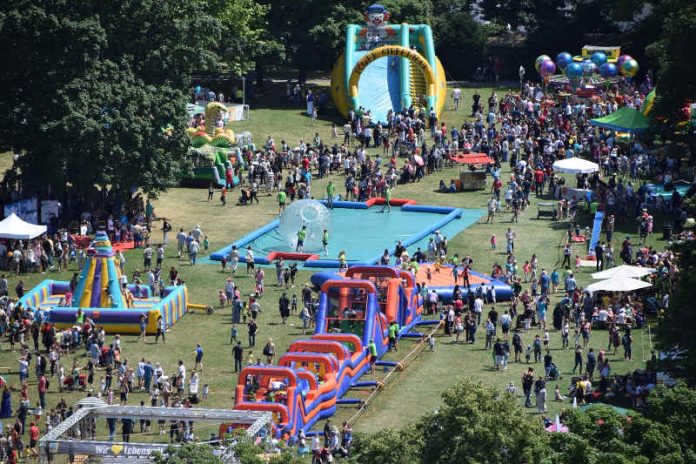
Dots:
{"x": 527, "y": 385}
{"x": 238, "y": 352}
{"x": 198, "y": 365}
{"x": 578, "y": 359}
{"x": 161, "y": 329}
{"x": 282, "y": 198}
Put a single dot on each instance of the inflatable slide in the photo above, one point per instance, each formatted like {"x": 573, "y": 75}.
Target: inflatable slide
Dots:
{"x": 388, "y": 67}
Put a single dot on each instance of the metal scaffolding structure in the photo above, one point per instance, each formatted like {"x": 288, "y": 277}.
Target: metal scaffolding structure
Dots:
{"x": 77, "y": 434}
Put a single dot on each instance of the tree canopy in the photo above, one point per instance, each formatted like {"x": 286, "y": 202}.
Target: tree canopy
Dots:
{"x": 676, "y": 75}
{"x": 477, "y": 424}
{"x": 95, "y": 93}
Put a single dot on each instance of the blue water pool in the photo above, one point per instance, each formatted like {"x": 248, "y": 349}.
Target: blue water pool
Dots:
{"x": 364, "y": 234}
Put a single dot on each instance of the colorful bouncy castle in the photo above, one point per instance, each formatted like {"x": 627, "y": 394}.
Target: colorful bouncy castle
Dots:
{"x": 102, "y": 298}
{"x": 311, "y": 379}
{"x": 388, "y": 67}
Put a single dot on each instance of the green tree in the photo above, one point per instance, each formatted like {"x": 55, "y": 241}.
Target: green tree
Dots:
{"x": 388, "y": 446}
{"x": 676, "y": 76}
{"x": 97, "y": 91}
{"x": 514, "y": 12}
{"x": 676, "y": 408}
{"x": 245, "y": 39}
{"x": 187, "y": 454}
{"x": 476, "y": 424}
{"x": 460, "y": 42}
{"x": 675, "y": 334}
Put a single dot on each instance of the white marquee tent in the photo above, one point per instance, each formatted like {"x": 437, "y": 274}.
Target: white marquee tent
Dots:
{"x": 618, "y": 284}
{"x": 13, "y": 227}
{"x": 623, "y": 270}
{"x": 575, "y": 166}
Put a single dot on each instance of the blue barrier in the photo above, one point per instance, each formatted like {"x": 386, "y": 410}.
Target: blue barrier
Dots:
{"x": 350, "y": 204}
{"x": 242, "y": 242}
{"x": 349, "y": 401}
{"x": 412, "y": 335}
{"x": 318, "y": 278}
{"x": 429, "y": 209}
{"x": 369, "y": 383}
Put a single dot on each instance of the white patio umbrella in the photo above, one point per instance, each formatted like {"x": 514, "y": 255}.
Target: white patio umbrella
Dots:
{"x": 575, "y": 166}
{"x": 618, "y": 284}
{"x": 623, "y": 270}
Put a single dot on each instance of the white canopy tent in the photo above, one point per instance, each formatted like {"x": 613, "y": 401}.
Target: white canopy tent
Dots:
{"x": 575, "y": 166}
{"x": 14, "y": 228}
{"x": 623, "y": 271}
{"x": 618, "y": 284}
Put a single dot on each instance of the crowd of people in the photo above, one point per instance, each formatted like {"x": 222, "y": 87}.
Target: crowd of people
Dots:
{"x": 528, "y": 129}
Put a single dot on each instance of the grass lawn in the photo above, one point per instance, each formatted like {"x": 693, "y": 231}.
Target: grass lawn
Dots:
{"x": 414, "y": 391}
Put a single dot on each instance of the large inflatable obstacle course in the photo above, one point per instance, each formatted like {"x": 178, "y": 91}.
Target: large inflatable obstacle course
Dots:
{"x": 320, "y": 373}
{"x": 312, "y": 378}
{"x": 388, "y": 67}
{"x": 101, "y": 297}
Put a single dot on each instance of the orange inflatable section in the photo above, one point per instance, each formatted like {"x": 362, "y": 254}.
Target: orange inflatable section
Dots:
{"x": 443, "y": 277}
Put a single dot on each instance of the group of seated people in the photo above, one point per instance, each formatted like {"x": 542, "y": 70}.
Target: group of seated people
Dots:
{"x": 443, "y": 188}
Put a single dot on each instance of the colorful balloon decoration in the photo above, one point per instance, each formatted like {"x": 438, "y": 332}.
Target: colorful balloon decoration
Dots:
{"x": 629, "y": 68}
{"x": 588, "y": 67}
{"x": 563, "y": 59}
{"x": 598, "y": 58}
{"x": 547, "y": 68}
{"x": 608, "y": 70}
{"x": 573, "y": 70}
{"x": 622, "y": 59}
{"x": 540, "y": 59}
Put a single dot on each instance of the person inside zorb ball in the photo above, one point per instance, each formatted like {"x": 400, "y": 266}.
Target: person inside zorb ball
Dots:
{"x": 310, "y": 213}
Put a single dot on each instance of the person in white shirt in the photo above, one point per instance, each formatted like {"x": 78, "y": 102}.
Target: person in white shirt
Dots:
{"x": 456, "y": 96}
{"x": 182, "y": 372}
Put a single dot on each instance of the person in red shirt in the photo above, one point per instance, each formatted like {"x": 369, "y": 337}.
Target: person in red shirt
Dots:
{"x": 497, "y": 184}
{"x": 33, "y": 438}
{"x": 43, "y": 386}
{"x": 538, "y": 180}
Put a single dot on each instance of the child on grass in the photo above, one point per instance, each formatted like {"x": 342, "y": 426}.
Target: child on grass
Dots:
{"x": 222, "y": 297}
{"x": 577, "y": 263}
{"x": 528, "y": 354}
{"x": 431, "y": 343}
{"x": 494, "y": 242}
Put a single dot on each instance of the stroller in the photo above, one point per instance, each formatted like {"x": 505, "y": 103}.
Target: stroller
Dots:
{"x": 68, "y": 383}
{"x": 554, "y": 373}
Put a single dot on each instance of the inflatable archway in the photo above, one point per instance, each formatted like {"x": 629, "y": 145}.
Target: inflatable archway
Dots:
{"x": 391, "y": 50}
